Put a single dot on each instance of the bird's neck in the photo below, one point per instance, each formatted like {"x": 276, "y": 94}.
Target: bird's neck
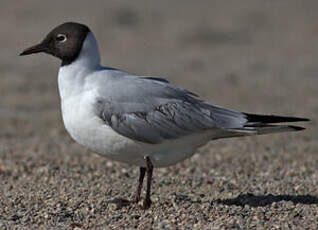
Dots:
{"x": 89, "y": 56}
{"x": 72, "y": 77}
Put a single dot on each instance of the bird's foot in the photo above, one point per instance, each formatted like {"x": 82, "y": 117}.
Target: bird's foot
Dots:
{"x": 136, "y": 199}
{"x": 146, "y": 204}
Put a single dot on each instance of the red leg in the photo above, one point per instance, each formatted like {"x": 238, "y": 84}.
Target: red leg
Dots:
{"x": 149, "y": 169}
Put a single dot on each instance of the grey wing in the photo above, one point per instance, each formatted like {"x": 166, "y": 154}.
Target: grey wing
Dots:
{"x": 151, "y": 110}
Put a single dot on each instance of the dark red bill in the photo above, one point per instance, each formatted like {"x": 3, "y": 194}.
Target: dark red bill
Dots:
{"x": 34, "y": 49}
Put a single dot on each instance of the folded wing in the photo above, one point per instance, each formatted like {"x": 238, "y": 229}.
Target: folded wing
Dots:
{"x": 152, "y": 110}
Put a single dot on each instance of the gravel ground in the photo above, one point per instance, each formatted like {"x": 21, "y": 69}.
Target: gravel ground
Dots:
{"x": 256, "y": 56}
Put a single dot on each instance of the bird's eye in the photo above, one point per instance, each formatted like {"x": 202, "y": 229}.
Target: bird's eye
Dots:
{"x": 61, "y": 38}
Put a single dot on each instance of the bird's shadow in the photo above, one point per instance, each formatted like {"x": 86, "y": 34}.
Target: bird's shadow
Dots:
{"x": 263, "y": 200}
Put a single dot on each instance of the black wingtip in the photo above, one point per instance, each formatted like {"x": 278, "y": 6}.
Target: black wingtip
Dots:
{"x": 273, "y": 119}
{"x": 302, "y": 119}
{"x": 296, "y": 128}
{"x": 22, "y": 54}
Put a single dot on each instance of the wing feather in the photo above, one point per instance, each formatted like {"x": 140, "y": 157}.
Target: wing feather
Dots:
{"x": 151, "y": 111}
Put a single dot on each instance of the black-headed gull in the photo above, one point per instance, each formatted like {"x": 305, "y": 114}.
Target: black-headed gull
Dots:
{"x": 139, "y": 120}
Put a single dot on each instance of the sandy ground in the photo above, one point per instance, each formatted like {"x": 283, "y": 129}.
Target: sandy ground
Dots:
{"x": 255, "y": 56}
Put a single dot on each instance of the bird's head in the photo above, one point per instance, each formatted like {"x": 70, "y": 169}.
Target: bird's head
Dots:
{"x": 64, "y": 42}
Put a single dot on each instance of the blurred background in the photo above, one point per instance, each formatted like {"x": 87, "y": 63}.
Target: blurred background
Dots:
{"x": 260, "y": 56}
{"x": 252, "y": 56}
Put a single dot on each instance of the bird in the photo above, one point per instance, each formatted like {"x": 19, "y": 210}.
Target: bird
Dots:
{"x": 143, "y": 121}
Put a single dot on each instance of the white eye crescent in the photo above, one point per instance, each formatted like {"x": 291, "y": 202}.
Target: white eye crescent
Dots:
{"x": 61, "y": 38}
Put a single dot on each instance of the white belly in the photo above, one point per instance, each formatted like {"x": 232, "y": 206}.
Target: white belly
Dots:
{"x": 89, "y": 130}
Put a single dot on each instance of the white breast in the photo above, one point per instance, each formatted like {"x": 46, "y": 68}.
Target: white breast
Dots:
{"x": 84, "y": 125}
